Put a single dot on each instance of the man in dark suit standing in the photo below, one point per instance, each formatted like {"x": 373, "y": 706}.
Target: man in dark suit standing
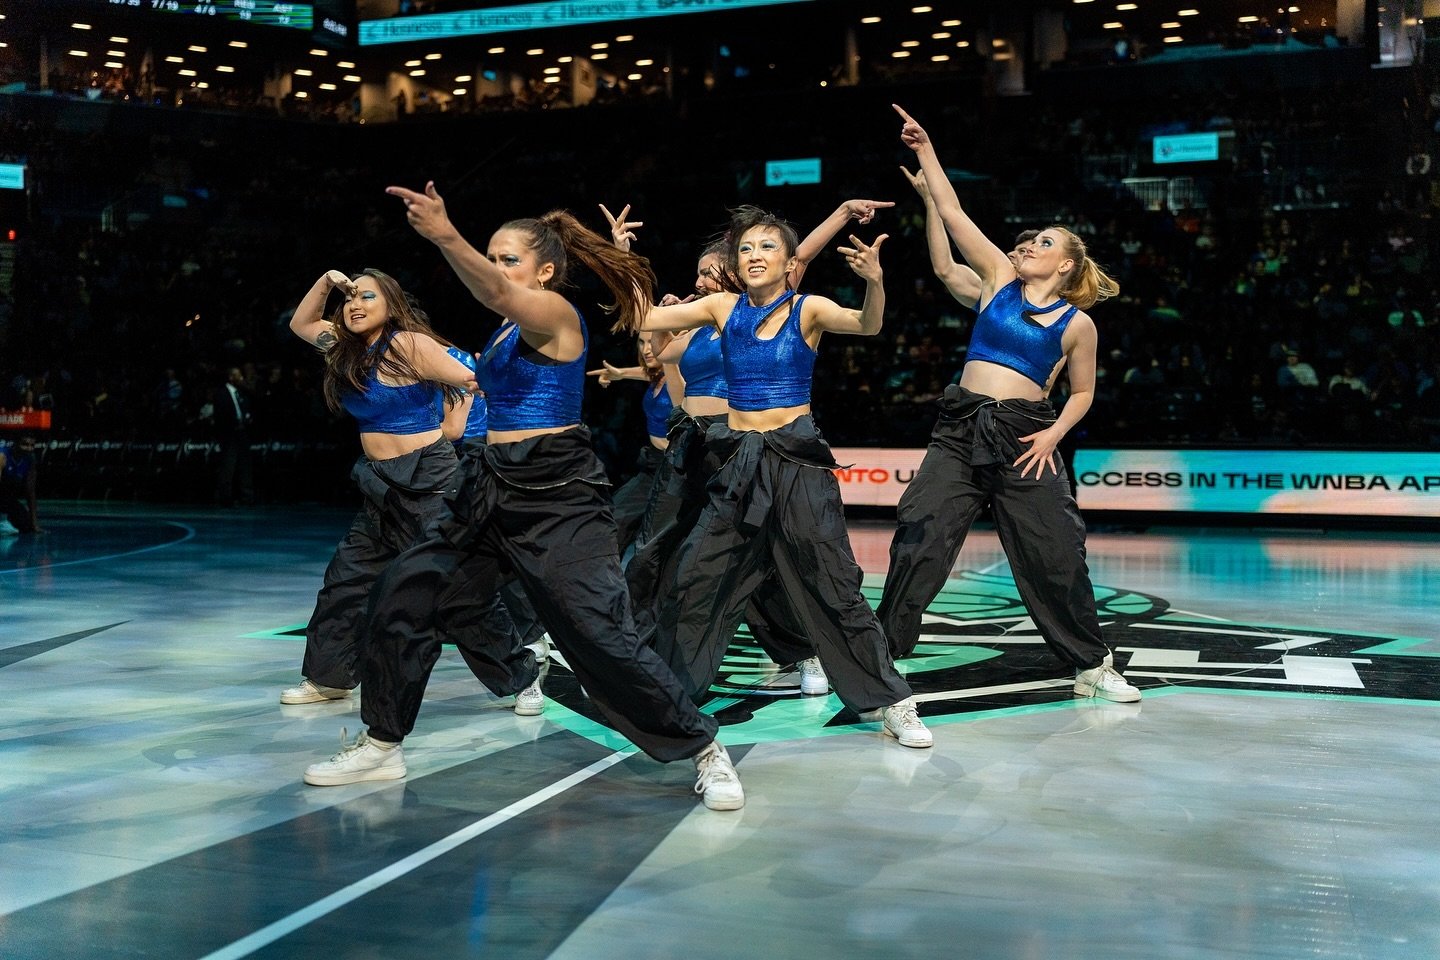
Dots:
{"x": 232, "y": 405}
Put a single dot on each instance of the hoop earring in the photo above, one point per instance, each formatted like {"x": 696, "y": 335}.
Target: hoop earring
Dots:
{"x": 542, "y": 284}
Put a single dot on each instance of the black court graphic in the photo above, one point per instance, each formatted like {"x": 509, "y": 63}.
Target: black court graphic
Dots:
{"x": 979, "y": 654}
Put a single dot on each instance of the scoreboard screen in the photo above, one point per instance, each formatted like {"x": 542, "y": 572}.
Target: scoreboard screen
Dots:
{"x": 274, "y": 13}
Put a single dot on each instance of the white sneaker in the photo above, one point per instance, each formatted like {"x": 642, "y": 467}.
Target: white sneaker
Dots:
{"x": 716, "y": 780}
{"x": 813, "y": 681}
{"x": 365, "y": 759}
{"x": 904, "y": 724}
{"x": 530, "y": 702}
{"x": 541, "y": 647}
{"x": 1106, "y": 683}
{"x": 308, "y": 691}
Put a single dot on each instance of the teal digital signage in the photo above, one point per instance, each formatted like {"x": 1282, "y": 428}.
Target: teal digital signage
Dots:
{"x": 539, "y": 16}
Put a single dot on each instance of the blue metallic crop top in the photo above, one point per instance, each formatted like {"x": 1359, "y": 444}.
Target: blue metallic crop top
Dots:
{"x": 1006, "y": 335}
{"x": 703, "y": 365}
{"x": 380, "y": 408}
{"x": 657, "y": 408}
{"x": 523, "y": 394}
{"x": 475, "y": 424}
{"x": 766, "y": 374}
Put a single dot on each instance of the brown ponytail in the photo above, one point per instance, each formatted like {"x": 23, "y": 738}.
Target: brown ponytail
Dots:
{"x": 1087, "y": 284}
{"x": 557, "y": 236}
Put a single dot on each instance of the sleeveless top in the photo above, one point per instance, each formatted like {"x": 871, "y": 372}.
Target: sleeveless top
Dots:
{"x": 522, "y": 394}
{"x": 1004, "y": 334}
{"x": 764, "y": 374}
{"x": 657, "y": 408}
{"x": 379, "y": 408}
{"x": 475, "y": 424}
{"x": 702, "y": 365}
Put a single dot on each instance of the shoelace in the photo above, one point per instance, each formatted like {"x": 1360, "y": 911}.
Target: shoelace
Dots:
{"x": 347, "y": 748}
{"x": 908, "y": 716}
{"x": 710, "y": 769}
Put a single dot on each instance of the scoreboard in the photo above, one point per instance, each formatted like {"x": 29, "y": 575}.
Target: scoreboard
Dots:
{"x": 274, "y": 13}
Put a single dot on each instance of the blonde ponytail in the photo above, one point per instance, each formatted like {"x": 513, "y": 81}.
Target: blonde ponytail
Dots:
{"x": 1087, "y": 284}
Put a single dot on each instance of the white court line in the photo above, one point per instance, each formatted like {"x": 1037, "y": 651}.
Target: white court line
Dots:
{"x": 269, "y": 934}
{"x": 189, "y": 535}
{"x": 996, "y": 565}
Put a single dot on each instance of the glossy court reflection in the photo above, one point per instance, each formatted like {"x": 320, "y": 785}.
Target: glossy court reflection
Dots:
{"x": 1270, "y": 796}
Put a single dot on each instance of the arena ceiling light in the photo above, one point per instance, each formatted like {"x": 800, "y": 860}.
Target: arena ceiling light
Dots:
{"x": 317, "y": 52}
{"x": 114, "y": 53}
{"x": 433, "y": 56}
{"x": 223, "y": 68}
{"x": 601, "y": 56}
{"x": 81, "y": 26}
{"x": 869, "y": 19}
{"x": 417, "y": 73}
{"x": 302, "y": 72}
{"x": 949, "y": 23}
{"x": 1188, "y": 13}
{"x": 1174, "y": 39}
{"x": 496, "y": 50}
{"x": 464, "y": 78}
{"x": 900, "y": 54}
{"x": 195, "y": 48}
{"x": 535, "y": 52}
{"x": 345, "y": 65}
{"x": 922, "y": 9}
{"x": 351, "y": 78}
{"x": 238, "y": 44}
{"x": 625, "y": 38}
{"x": 644, "y": 63}
{"x": 119, "y": 39}
{"x": 79, "y": 53}
{"x": 174, "y": 59}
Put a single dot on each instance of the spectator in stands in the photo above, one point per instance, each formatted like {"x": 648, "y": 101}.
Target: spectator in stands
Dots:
{"x": 1296, "y": 374}
{"x": 1347, "y": 381}
{"x": 232, "y": 409}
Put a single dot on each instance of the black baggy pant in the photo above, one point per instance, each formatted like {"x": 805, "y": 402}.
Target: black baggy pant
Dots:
{"x": 403, "y": 502}
{"x": 537, "y": 510}
{"x": 775, "y": 507}
{"x": 650, "y": 575}
{"x": 968, "y": 463}
{"x": 630, "y": 500}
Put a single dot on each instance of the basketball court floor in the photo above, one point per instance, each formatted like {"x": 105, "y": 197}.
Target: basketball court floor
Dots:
{"x": 1275, "y": 795}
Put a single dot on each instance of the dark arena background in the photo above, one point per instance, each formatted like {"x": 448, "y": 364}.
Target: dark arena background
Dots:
{"x": 1259, "y": 474}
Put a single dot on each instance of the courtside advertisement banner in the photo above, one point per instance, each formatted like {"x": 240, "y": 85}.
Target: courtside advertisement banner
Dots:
{"x": 875, "y": 476}
{"x": 1322, "y": 482}
{"x": 1319, "y": 482}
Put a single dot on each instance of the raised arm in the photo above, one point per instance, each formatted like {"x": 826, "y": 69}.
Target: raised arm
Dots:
{"x": 539, "y": 311}
{"x": 609, "y": 373}
{"x": 862, "y": 211}
{"x": 622, "y": 231}
{"x": 308, "y": 322}
{"x": 690, "y": 314}
{"x": 962, "y": 282}
{"x": 986, "y": 259}
{"x": 676, "y": 348}
{"x": 826, "y": 316}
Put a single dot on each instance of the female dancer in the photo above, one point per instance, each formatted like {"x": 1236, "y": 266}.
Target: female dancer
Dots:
{"x": 535, "y": 505}
{"x": 775, "y": 503}
{"x": 773, "y": 625}
{"x": 386, "y": 366}
{"x": 996, "y": 436}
